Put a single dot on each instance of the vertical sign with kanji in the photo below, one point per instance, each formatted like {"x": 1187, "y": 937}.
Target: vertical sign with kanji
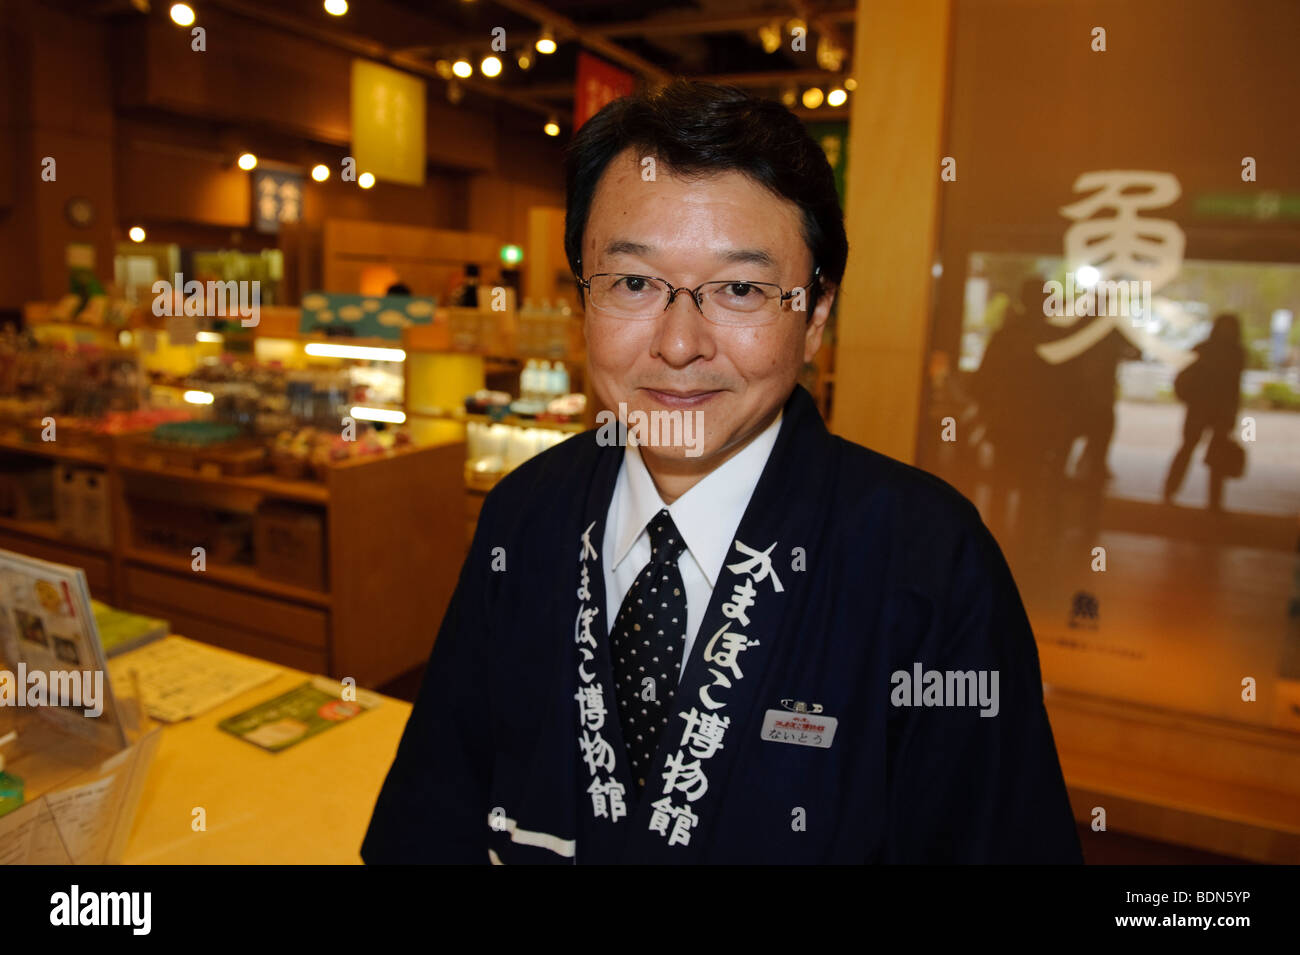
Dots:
{"x": 388, "y": 123}
{"x": 598, "y": 84}
{"x": 277, "y": 198}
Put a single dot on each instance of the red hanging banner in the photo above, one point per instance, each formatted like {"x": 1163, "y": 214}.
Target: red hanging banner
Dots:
{"x": 598, "y": 83}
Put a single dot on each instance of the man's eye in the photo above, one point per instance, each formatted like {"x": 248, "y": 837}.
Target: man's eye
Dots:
{"x": 740, "y": 289}
{"x": 633, "y": 283}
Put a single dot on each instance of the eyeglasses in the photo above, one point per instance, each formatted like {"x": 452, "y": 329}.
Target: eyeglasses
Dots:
{"x": 730, "y": 302}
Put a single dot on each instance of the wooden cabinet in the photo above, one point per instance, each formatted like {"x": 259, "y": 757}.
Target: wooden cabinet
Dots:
{"x": 394, "y": 534}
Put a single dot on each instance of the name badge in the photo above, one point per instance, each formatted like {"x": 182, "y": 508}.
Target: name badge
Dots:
{"x": 801, "y": 729}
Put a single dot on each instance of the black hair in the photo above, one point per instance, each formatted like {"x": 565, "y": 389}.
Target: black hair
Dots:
{"x": 702, "y": 128}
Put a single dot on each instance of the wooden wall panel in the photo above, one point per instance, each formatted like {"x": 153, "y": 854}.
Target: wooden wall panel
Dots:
{"x": 896, "y": 129}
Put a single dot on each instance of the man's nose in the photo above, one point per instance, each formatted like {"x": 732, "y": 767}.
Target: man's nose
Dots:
{"x": 684, "y": 334}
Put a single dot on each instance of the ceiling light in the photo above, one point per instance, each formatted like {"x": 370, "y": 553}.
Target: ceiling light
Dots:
{"x": 850, "y": 83}
{"x": 491, "y": 66}
{"x": 552, "y": 128}
{"x": 525, "y": 60}
{"x": 336, "y": 8}
{"x": 829, "y": 56}
{"x": 362, "y": 413}
{"x": 443, "y": 69}
{"x": 789, "y": 96}
{"x": 462, "y": 68}
{"x": 770, "y": 36}
{"x": 136, "y": 234}
{"x": 812, "y": 97}
{"x": 367, "y": 352}
{"x": 320, "y": 172}
{"x": 836, "y": 97}
{"x": 545, "y": 41}
{"x": 182, "y": 14}
{"x": 366, "y": 180}
{"x": 247, "y": 161}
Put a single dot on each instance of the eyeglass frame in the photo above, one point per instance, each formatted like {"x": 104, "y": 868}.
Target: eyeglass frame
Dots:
{"x": 695, "y": 292}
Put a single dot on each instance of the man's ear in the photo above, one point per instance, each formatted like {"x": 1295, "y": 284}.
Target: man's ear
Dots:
{"x": 812, "y": 337}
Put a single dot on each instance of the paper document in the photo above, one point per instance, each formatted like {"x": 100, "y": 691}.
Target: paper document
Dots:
{"x": 180, "y": 678}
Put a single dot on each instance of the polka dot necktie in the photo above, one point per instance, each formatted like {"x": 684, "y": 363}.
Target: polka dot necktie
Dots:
{"x": 648, "y": 636}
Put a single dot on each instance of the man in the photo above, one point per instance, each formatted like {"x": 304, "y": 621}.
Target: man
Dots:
{"x": 753, "y": 641}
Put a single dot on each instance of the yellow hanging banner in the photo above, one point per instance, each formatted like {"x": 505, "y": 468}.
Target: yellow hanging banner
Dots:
{"x": 388, "y": 123}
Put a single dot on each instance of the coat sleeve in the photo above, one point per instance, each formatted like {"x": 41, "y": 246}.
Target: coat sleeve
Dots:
{"x": 433, "y": 804}
{"x": 965, "y": 787}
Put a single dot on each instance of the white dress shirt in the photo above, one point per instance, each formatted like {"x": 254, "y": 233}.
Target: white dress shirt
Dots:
{"x": 707, "y": 516}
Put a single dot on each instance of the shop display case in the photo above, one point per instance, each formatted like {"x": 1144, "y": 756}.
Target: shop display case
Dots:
{"x": 332, "y": 561}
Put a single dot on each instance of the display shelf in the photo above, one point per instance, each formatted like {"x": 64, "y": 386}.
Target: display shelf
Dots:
{"x": 47, "y": 530}
{"x": 570, "y": 427}
{"x": 311, "y": 492}
{"x": 246, "y": 578}
{"x": 79, "y": 454}
{"x": 390, "y": 538}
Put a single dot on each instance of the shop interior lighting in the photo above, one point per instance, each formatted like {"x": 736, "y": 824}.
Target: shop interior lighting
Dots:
{"x": 369, "y": 353}
{"x": 136, "y": 234}
{"x": 812, "y": 97}
{"x": 320, "y": 172}
{"x": 212, "y": 337}
{"x": 182, "y": 14}
{"x": 198, "y": 397}
{"x": 247, "y": 162}
{"x": 552, "y": 128}
{"x": 545, "y": 42}
{"x": 525, "y": 60}
{"x": 336, "y": 8}
{"x": 770, "y": 36}
{"x": 462, "y": 68}
{"x": 490, "y": 66}
{"x": 836, "y": 97}
{"x": 378, "y": 414}
{"x": 366, "y": 180}
{"x": 850, "y": 83}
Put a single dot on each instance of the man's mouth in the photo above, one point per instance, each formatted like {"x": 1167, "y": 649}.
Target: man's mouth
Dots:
{"x": 681, "y": 398}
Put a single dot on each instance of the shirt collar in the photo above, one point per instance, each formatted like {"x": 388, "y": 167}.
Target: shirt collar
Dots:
{"x": 707, "y": 515}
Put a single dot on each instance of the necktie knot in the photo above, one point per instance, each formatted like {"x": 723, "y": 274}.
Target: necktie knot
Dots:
{"x": 666, "y": 542}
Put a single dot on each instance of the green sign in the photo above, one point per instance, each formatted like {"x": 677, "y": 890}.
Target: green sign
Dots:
{"x": 388, "y": 123}
{"x": 1262, "y": 206}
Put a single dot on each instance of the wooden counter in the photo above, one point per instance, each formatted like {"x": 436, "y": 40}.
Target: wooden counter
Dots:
{"x": 308, "y": 804}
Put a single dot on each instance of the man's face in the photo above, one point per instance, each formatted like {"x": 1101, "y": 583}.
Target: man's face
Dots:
{"x": 690, "y": 231}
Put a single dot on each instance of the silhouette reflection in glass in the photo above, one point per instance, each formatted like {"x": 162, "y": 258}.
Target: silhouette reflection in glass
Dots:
{"x": 1210, "y": 387}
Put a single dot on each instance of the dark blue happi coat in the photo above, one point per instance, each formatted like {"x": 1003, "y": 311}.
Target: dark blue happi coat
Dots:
{"x": 847, "y": 570}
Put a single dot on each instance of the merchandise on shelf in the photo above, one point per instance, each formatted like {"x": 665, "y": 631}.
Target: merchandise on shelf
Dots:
{"x": 310, "y": 451}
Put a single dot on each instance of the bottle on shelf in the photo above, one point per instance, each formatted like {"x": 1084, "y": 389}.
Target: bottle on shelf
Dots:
{"x": 528, "y": 380}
